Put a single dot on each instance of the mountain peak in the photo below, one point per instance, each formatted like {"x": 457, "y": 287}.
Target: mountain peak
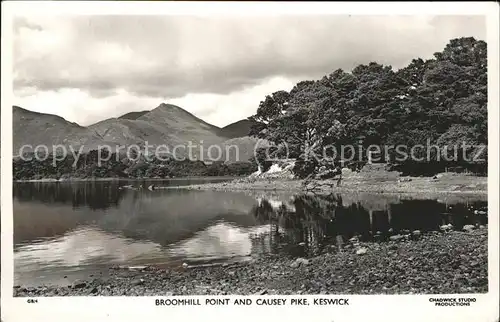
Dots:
{"x": 165, "y": 112}
{"x": 169, "y": 106}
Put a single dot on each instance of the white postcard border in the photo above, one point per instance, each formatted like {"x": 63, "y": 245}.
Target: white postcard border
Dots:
{"x": 372, "y": 307}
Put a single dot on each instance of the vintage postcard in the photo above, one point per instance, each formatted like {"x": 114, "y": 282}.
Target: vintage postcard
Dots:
{"x": 222, "y": 160}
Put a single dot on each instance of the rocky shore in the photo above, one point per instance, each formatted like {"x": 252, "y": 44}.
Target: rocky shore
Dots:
{"x": 417, "y": 263}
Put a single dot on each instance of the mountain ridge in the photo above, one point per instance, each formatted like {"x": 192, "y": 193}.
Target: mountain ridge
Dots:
{"x": 132, "y": 115}
{"x": 237, "y": 129}
{"x": 166, "y": 124}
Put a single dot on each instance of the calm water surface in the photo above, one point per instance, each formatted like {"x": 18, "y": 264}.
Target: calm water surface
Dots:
{"x": 68, "y": 231}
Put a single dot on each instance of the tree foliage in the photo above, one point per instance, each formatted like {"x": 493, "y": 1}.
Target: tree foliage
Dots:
{"x": 87, "y": 165}
{"x": 440, "y": 101}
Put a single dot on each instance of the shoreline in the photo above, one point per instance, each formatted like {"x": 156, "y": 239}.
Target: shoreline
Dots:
{"x": 460, "y": 185}
{"x": 451, "y": 185}
{"x": 428, "y": 263}
{"x": 49, "y": 180}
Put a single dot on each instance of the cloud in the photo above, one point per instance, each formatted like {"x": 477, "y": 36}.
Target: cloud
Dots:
{"x": 217, "y": 109}
{"x": 148, "y": 58}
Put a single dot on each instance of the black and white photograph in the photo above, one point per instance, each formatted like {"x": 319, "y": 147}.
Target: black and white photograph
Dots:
{"x": 170, "y": 155}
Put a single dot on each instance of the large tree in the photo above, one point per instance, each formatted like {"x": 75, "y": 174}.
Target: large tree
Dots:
{"x": 442, "y": 100}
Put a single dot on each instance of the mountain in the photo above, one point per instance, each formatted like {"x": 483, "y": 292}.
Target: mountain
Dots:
{"x": 133, "y": 115}
{"x": 167, "y": 125}
{"x": 245, "y": 147}
{"x": 237, "y": 129}
{"x": 31, "y": 129}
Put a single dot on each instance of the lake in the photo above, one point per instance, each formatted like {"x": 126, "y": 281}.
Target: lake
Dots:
{"x": 64, "y": 231}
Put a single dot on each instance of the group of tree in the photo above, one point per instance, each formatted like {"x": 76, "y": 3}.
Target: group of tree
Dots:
{"x": 93, "y": 165}
{"x": 440, "y": 101}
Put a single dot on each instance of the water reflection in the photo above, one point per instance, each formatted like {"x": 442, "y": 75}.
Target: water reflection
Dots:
{"x": 75, "y": 230}
{"x": 308, "y": 223}
{"x": 92, "y": 194}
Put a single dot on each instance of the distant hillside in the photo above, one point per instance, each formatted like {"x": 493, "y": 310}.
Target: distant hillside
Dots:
{"x": 237, "y": 129}
{"x": 32, "y": 128}
{"x": 167, "y": 125}
{"x": 133, "y": 115}
{"x": 246, "y": 147}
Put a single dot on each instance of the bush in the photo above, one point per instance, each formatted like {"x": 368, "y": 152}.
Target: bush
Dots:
{"x": 262, "y": 156}
{"x": 304, "y": 168}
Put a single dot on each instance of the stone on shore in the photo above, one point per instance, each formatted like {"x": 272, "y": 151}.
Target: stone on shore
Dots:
{"x": 361, "y": 251}
{"x": 396, "y": 237}
{"x": 447, "y": 227}
{"x": 354, "y": 239}
{"x": 79, "y": 284}
{"x": 138, "y": 282}
{"x": 468, "y": 228}
{"x": 299, "y": 261}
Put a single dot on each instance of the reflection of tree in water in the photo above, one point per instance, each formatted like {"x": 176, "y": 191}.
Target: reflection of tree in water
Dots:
{"x": 321, "y": 220}
{"x": 308, "y": 221}
{"x": 265, "y": 214}
{"x": 94, "y": 195}
{"x": 429, "y": 214}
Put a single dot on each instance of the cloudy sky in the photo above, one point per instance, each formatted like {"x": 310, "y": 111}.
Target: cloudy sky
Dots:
{"x": 89, "y": 68}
